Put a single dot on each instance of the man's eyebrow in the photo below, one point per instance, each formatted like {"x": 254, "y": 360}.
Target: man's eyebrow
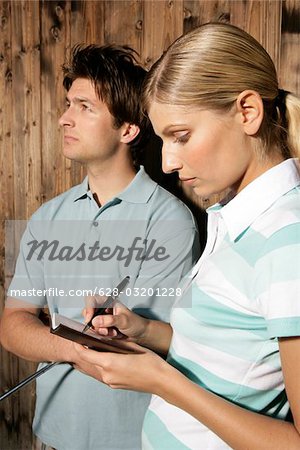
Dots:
{"x": 80, "y": 100}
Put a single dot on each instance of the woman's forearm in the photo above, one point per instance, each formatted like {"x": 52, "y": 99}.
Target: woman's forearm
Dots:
{"x": 241, "y": 429}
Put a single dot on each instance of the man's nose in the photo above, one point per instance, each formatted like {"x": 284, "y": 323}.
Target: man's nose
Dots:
{"x": 66, "y": 119}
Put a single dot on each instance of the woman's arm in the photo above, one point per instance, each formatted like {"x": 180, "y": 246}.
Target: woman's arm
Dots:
{"x": 239, "y": 428}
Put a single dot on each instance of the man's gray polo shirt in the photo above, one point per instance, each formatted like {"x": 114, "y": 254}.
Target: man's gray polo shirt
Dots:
{"x": 71, "y": 244}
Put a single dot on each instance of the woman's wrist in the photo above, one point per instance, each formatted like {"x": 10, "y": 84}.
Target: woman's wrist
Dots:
{"x": 145, "y": 332}
{"x": 156, "y": 336}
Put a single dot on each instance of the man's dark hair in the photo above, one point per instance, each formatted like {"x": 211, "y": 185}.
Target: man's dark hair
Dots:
{"x": 118, "y": 79}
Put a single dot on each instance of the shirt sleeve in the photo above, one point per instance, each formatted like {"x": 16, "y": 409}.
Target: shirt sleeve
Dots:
{"x": 278, "y": 282}
{"x": 28, "y": 281}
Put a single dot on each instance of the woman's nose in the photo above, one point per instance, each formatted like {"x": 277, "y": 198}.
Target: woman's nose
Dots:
{"x": 170, "y": 160}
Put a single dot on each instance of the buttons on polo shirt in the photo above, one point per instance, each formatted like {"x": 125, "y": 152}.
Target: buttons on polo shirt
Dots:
{"x": 95, "y": 223}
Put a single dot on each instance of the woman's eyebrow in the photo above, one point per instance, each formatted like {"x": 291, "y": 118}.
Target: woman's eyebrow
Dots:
{"x": 171, "y": 128}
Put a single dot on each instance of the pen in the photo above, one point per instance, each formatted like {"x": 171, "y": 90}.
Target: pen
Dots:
{"x": 28, "y": 380}
{"x": 108, "y": 302}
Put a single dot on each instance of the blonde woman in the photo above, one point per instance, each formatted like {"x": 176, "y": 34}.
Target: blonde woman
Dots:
{"x": 232, "y": 372}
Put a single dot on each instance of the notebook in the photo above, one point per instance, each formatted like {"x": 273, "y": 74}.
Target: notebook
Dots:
{"x": 71, "y": 329}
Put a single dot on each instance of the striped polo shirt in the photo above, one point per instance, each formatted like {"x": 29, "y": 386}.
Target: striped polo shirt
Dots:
{"x": 244, "y": 295}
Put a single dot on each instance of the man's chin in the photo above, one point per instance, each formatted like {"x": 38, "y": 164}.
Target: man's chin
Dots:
{"x": 72, "y": 156}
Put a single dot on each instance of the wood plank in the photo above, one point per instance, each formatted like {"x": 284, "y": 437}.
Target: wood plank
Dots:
{"x": 21, "y": 106}
{"x": 55, "y": 38}
{"x": 289, "y": 75}
{"x": 162, "y": 24}
{"x": 123, "y": 23}
{"x": 26, "y": 141}
{"x": 87, "y": 22}
{"x": 7, "y": 199}
{"x": 198, "y": 12}
{"x": 262, "y": 19}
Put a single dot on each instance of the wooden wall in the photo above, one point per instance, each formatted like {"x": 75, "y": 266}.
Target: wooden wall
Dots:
{"x": 35, "y": 38}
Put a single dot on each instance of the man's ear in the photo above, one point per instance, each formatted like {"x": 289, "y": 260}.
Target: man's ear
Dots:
{"x": 250, "y": 106}
{"x": 129, "y": 132}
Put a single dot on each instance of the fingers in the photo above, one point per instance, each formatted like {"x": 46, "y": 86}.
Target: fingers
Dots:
{"x": 91, "y": 356}
{"x": 107, "y": 359}
{"x": 92, "y": 302}
{"x": 87, "y": 314}
{"x": 119, "y": 321}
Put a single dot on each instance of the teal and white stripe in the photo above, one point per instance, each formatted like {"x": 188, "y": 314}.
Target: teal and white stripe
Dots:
{"x": 245, "y": 295}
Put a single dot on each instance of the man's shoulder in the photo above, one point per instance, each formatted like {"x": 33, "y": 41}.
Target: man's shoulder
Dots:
{"x": 62, "y": 201}
{"x": 169, "y": 205}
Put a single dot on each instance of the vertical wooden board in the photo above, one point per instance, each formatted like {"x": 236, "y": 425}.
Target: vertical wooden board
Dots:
{"x": 162, "y": 24}
{"x": 29, "y": 57}
{"x": 21, "y": 104}
{"x": 6, "y": 132}
{"x": 199, "y": 12}
{"x": 25, "y": 147}
{"x": 123, "y": 23}
{"x": 87, "y": 22}
{"x": 55, "y": 37}
{"x": 7, "y": 197}
{"x": 289, "y": 78}
{"x": 6, "y": 159}
{"x": 26, "y": 101}
{"x": 262, "y": 19}
{"x": 19, "y": 110}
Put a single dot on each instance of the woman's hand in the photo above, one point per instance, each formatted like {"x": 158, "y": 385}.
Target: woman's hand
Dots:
{"x": 143, "y": 371}
{"x": 118, "y": 321}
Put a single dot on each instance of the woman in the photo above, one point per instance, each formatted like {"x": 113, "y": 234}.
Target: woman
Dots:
{"x": 233, "y": 367}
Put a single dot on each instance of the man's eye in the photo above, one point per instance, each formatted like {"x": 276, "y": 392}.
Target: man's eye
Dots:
{"x": 85, "y": 107}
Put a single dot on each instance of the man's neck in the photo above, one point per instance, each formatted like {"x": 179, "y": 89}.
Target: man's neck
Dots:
{"x": 108, "y": 180}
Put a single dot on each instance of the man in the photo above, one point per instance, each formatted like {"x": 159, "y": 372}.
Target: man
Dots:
{"x": 117, "y": 223}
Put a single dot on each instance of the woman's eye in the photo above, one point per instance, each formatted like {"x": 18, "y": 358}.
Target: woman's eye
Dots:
{"x": 181, "y": 139}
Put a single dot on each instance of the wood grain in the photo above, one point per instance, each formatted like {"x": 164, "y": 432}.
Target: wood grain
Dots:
{"x": 35, "y": 39}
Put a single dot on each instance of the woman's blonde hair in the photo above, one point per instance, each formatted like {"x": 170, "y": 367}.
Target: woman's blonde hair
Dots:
{"x": 210, "y": 66}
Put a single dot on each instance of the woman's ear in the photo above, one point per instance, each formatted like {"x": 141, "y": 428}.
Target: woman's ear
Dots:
{"x": 250, "y": 106}
{"x": 129, "y": 132}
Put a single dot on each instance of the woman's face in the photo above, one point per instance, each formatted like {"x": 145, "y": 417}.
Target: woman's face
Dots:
{"x": 209, "y": 150}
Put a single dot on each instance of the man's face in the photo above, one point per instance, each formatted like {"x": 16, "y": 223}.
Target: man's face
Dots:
{"x": 89, "y": 135}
